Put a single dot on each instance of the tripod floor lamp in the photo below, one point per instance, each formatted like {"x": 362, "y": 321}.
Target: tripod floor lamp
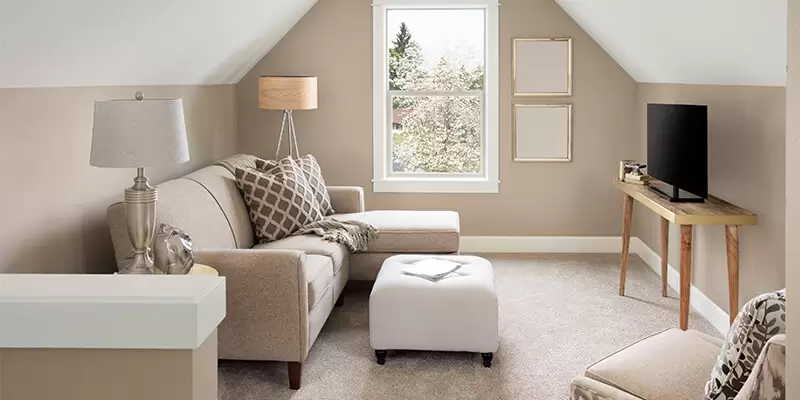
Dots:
{"x": 287, "y": 93}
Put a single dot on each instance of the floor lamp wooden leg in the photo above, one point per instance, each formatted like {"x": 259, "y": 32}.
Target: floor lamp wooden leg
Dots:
{"x": 627, "y": 219}
{"x": 686, "y": 273}
{"x": 664, "y": 254}
{"x": 732, "y": 250}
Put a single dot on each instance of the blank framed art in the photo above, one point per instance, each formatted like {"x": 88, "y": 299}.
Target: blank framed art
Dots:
{"x": 542, "y": 133}
{"x": 542, "y": 67}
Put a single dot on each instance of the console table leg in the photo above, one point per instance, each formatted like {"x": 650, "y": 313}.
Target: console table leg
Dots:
{"x": 686, "y": 273}
{"x": 627, "y": 219}
{"x": 664, "y": 254}
{"x": 732, "y": 250}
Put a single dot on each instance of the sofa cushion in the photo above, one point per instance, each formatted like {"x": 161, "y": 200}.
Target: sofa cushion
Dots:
{"x": 319, "y": 274}
{"x": 410, "y": 231}
{"x": 672, "y": 364}
{"x": 313, "y": 173}
{"x": 311, "y": 244}
{"x": 760, "y": 319}
{"x": 280, "y": 200}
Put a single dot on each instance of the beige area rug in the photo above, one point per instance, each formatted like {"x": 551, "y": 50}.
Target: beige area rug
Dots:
{"x": 558, "y": 314}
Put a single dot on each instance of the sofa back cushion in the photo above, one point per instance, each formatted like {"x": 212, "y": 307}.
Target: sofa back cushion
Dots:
{"x": 221, "y": 184}
{"x": 184, "y": 204}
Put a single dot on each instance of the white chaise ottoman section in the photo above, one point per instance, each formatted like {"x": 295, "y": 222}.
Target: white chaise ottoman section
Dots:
{"x": 458, "y": 313}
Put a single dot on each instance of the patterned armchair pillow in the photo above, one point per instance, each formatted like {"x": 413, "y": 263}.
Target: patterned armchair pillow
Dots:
{"x": 280, "y": 200}
{"x": 760, "y": 319}
{"x": 313, "y": 173}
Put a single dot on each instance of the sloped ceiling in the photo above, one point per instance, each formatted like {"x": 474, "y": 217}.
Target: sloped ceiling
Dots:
{"x": 725, "y": 42}
{"x": 52, "y": 43}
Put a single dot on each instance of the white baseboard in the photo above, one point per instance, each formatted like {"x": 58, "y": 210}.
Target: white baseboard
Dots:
{"x": 595, "y": 244}
{"x": 540, "y": 244}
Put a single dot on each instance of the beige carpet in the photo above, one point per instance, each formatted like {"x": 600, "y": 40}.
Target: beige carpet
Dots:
{"x": 558, "y": 314}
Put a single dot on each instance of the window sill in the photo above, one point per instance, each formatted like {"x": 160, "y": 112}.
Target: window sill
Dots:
{"x": 435, "y": 185}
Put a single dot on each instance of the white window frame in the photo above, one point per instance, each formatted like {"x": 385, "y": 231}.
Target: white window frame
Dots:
{"x": 488, "y": 180}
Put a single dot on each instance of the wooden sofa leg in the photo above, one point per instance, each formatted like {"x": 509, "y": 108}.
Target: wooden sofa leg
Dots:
{"x": 339, "y": 301}
{"x": 295, "y": 373}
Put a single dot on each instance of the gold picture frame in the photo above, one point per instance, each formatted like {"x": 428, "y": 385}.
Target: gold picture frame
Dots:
{"x": 542, "y": 133}
{"x": 542, "y": 66}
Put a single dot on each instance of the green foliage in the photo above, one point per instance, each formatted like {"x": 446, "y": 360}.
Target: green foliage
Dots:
{"x": 440, "y": 134}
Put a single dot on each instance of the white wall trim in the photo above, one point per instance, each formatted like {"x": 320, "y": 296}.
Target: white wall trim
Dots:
{"x": 540, "y": 244}
{"x": 595, "y": 244}
{"x": 383, "y": 181}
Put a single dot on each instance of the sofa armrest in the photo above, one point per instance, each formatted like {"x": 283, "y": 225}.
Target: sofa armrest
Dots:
{"x": 583, "y": 388}
{"x": 267, "y": 304}
{"x": 347, "y": 199}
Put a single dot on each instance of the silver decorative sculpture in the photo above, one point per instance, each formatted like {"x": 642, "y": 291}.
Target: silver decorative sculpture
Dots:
{"x": 172, "y": 249}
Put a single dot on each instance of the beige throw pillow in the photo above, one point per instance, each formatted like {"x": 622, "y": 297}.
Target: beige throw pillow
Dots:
{"x": 313, "y": 174}
{"x": 280, "y": 200}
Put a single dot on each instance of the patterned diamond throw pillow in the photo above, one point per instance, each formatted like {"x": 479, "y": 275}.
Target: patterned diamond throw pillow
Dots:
{"x": 280, "y": 200}
{"x": 760, "y": 319}
{"x": 313, "y": 174}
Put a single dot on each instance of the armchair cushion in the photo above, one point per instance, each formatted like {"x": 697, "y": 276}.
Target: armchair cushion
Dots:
{"x": 672, "y": 364}
{"x": 761, "y": 318}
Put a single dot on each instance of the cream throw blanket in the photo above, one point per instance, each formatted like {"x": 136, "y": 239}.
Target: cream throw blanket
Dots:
{"x": 356, "y": 235}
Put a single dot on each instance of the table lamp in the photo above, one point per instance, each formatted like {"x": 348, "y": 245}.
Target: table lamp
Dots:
{"x": 137, "y": 134}
{"x": 287, "y": 93}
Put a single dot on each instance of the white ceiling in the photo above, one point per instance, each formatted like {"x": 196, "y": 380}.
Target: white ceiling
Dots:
{"x": 725, "y": 42}
{"x": 138, "y": 42}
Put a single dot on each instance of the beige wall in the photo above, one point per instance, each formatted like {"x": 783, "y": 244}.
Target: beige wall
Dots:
{"x": 793, "y": 201}
{"x": 334, "y": 42}
{"x": 746, "y": 167}
{"x": 53, "y": 202}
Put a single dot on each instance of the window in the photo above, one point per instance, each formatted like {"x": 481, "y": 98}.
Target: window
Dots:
{"x": 435, "y": 96}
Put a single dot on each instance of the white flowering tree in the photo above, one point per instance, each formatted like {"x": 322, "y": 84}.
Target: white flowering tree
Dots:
{"x": 439, "y": 133}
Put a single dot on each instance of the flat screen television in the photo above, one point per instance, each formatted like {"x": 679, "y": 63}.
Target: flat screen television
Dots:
{"x": 677, "y": 150}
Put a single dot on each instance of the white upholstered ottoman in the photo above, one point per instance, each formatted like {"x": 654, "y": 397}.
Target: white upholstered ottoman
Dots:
{"x": 457, "y": 313}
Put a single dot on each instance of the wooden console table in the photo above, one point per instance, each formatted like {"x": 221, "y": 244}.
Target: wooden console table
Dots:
{"x": 713, "y": 211}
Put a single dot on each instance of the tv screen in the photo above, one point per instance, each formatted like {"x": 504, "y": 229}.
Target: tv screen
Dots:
{"x": 677, "y": 146}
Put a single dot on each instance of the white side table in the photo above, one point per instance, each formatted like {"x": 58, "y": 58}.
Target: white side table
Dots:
{"x": 124, "y": 337}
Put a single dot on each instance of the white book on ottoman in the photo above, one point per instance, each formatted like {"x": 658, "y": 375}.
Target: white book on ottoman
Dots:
{"x": 458, "y": 313}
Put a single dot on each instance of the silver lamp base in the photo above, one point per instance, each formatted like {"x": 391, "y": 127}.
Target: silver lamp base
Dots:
{"x": 140, "y": 212}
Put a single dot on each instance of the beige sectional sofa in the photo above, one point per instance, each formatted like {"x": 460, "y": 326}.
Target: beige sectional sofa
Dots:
{"x": 281, "y": 293}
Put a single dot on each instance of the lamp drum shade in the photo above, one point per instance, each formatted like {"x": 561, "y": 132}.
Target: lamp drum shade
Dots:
{"x": 287, "y": 92}
{"x": 138, "y": 133}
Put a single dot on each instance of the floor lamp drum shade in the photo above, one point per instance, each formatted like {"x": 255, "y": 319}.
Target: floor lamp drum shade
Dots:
{"x": 139, "y": 133}
{"x": 287, "y": 92}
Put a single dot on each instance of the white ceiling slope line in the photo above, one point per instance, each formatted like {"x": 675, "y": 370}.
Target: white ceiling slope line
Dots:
{"x": 145, "y": 42}
{"x": 714, "y": 42}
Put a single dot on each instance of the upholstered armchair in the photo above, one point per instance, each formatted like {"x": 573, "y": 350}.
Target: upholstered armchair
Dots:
{"x": 684, "y": 365}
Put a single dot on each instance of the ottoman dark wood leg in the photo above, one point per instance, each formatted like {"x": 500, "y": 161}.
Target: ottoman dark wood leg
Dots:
{"x": 487, "y": 359}
{"x": 380, "y": 355}
{"x": 339, "y": 301}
